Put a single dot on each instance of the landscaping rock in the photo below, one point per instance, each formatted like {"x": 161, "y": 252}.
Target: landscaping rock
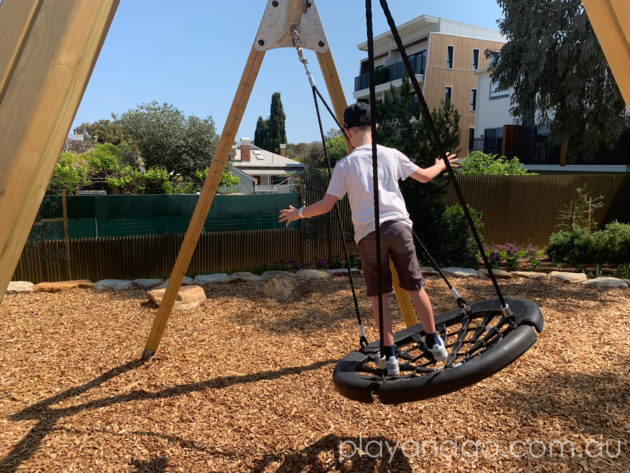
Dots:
{"x": 428, "y": 271}
{"x": 342, "y": 271}
{"x": 498, "y": 273}
{"x": 187, "y": 296}
{"x": 185, "y": 282}
{"x": 63, "y": 285}
{"x": 245, "y": 276}
{"x": 312, "y": 274}
{"x": 16, "y": 287}
{"x": 460, "y": 272}
{"x": 568, "y": 277}
{"x": 627, "y": 281}
{"x": 272, "y": 274}
{"x": 114, "y": 285}
{"x": 282, "y": 288}
{"x": 605, "y": 282}
{"x": 147, "y": 283}
{"x": 204, "y": 279}
{"x": 530, "y": 275}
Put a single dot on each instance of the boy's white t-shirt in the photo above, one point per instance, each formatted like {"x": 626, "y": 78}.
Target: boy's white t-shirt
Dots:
{"x": 353, "y": 175}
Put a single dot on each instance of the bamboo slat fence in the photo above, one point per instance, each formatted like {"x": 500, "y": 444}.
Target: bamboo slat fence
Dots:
{"x": 516, "y": 209}
{"x": 524, "y": 209}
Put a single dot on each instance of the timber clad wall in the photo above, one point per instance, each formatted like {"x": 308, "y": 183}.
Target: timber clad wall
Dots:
{"x": 516, "y": 209}
{"x": 461, "y": 77}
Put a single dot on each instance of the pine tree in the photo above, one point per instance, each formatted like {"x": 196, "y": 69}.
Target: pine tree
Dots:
{"x": 260, "y": 135}
{"x": 271, "y": 133}
{"x": 276, "y": 124}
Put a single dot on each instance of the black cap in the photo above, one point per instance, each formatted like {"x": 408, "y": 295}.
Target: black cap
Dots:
{"x": 357, "y": 114}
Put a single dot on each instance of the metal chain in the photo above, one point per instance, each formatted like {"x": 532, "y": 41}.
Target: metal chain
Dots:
{"x": 299, "y": 47}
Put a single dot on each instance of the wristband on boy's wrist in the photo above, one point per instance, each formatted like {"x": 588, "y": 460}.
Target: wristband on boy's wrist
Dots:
{"x": 300, "y": 212}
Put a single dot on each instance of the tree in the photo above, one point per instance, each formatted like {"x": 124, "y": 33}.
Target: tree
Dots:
{"x": 276, "y": 124}
{"x": 70, "y": 173}
{"x": 336, "y": 148}
{"x": 103, "y": 131}
{"x": 271, "y": 133}
{"x": 401, "y": 126}
{"x": 167, "y": 138}
{"x": 260, "y": 135}
{"x": 579, "y": 212}
{"x": 559, "y": 74}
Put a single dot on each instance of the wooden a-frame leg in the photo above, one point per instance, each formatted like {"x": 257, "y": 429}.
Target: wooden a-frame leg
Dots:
{"x": 329, "y": 71}
{"x": 208, "y": 192}
{"x": 611, "y": 23}
{"x": 47, "y": 52}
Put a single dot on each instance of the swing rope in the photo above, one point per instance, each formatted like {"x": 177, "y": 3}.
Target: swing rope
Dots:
{"x": 298, "y": 45}
{"x": 377, "y": 224}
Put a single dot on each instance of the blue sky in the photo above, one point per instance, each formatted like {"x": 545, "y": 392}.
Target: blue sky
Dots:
{"x": 191, "y": 54}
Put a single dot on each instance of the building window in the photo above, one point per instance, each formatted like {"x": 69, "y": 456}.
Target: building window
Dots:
{"x": 419, "y": 61}
{"x": 449, "y": 57}
{"x": 471, "y": 139}
{"x": 475, "y": 59}
{"x": 448, "y": 94}
{"x": 496, "y": 92}
{"x": 473, "y": 100}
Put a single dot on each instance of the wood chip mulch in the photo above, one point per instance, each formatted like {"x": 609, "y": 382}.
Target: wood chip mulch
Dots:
{"x": 243, "y": 383}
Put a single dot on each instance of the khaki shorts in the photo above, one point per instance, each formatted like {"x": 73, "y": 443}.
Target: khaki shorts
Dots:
{"x": 397, "y": 244}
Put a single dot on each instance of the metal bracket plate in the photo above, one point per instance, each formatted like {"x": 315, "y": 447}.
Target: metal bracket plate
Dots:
{"x": 279, "y": 19}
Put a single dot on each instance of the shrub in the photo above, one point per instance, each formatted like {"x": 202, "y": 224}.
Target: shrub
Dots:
{"x": 614, "y": 241}
{"x": 491, "y": 164}
{"x": 611, "y": 245}
{"x": 69, "y": 173}
{"x": 458, "y": 244}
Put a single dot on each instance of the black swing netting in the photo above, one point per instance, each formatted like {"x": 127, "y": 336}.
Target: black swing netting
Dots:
{"x": 465, "y": 337}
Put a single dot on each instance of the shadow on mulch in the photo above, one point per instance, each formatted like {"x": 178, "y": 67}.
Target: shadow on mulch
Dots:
{"x": 155, "y": 465}
{"x": 600, "y": 402}
{"x": 48, "y": 415}
{"x": 358, "y": 455}
{"x": 558, "y": 290}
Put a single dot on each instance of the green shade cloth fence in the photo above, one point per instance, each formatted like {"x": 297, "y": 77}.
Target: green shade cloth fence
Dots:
{"x": 105, "y": 216}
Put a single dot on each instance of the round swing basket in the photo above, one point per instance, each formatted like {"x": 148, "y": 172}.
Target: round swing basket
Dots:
{"x": 480, "y": 342}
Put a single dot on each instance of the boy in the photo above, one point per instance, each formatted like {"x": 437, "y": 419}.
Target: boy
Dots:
{"x": 353, "y": 175}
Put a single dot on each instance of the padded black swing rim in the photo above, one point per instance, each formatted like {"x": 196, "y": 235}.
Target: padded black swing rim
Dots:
{"x": 527, "y": 318}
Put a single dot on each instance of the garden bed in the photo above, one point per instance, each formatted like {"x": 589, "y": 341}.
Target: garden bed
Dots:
{"x": 243, "y": 383}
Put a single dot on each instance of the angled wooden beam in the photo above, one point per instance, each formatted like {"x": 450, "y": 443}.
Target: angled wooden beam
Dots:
{"x": 206, "y": 197}
{"x": 611, "y": 22}
{"x": 47, "y": 53}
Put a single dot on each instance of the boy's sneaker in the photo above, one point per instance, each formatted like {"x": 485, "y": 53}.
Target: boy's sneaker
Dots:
{"x": 392, "y": 366}
{"x": 439, "y": 350}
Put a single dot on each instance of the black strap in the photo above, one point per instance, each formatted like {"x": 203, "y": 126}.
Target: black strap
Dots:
{"x": 362, "y": 341}
{"x": 377, "y": 224}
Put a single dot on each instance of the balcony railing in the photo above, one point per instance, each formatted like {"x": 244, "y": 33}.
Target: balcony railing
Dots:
{"x": 391, "y": 73}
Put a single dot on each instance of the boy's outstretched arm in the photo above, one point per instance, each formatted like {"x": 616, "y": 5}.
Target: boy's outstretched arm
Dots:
{"x": 425, "y": 175}
{"x": 318, "y": 208}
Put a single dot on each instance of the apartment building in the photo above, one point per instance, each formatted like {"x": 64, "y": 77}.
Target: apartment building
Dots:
{"x": 444, "y": 54}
